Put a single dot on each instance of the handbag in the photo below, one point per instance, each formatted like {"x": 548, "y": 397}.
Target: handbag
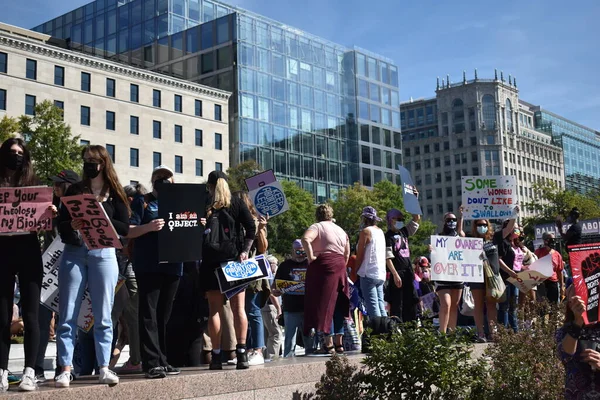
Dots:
{"x": 468, "y": 303}
{"x": 495, "y": 287}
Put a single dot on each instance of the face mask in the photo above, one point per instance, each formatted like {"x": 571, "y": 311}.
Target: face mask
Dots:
{"x": 482, "y": 230}
{"x": 426, "y": 275}
{"x": 159, "y": 183}
{"x": 399, "y": 225}
{"x": 451, "y": 224}
{"x": 14, "y": 161}
{"x": 91, "y": 170}
{"x": 551, "y": 243}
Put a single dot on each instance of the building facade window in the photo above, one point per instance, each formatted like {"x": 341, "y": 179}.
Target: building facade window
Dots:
{"x": 218, "y": 166}
{"x": 198, "y": 137}
{"x": 199, "y": 168}
{"x": 31, "y": 69}
{"x": 134, "y": 157}
{"x": 61, "y": 105}
{"x": 156, "y": 98}
{"x": 110, "y": 148}
{"x": 488, "y": 108}
{"x": 217, "y": 112}
{"x": 178, "y": 134}
{"x": 509, "y": 115}
{"x": 86, "y": 82}
{"x": 134, "y": 125}
{"x": 156, "y": 159}
{"x": 198, "y": 108}
{"x": 134, "y": 93}
{"x": 178, "y": 164}
{"x": 59, "y": 76}
{"x": 111, "y": 87}
{"x": 218, "y": 141}
{"x": 178, "y": 103}
{"x": 85, "y": 116}
{"x": 3, "y": 63}
{"x": 156, "y": 130}
{"x": 83, "y": 142}
{"x": 29, "y": 104}
{"x": 110, "y": 120}
{"x": 458, "y": 116}
{"x": 2, "y": 99}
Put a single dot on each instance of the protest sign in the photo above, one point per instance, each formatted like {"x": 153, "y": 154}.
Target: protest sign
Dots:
{"x": 537, "y": 273}
{"x": 456, "y": 259}
{"x": 585, "y": 268}
{"x": 97, "y": 232}
{"x": 267, "y": 194}
{"x": 25, "y": 209}
{"x": 427, "y": 302}
{"x": 588, "y": 227}
{"x": 411, "y": 202}
{"x": 242, "y": 273}
{"x": 51, "y": 260}
{"x": 290, "y": 287}
{"x": 489, "y": 197}
{"x": 181, "y": 205}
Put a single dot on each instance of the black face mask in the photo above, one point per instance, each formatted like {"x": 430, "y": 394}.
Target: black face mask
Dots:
{"x": 158, "y": 184}
{"x": 14, "y": 161}
{"x": 551, "y": 243}
{"x": 91, "y": 170}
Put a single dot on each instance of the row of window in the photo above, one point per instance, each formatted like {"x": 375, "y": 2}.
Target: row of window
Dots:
{"x": 532, "y": 163}
{"x": 111, "y": 87}
{"x": 459, "y": 158}
{"x": 134, "y": 159}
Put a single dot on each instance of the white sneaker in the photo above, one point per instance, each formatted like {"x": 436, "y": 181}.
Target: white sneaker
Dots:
{"x": 28, "y": 382}
{"x": 3, "y": 380}
{"x": 63, "y": 380}
{"x": 107, "y": 377}
{"x": 256, "y": 359}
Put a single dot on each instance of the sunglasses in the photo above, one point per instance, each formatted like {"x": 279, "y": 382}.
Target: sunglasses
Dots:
{"x": 300, "y": 253}
{"x": 450, "y": 219}
{"x": 517, "y": 232}
{"x": 482, "y": 225}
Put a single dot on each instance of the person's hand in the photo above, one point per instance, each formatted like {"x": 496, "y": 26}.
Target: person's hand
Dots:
{"x": 517, "y": 209}
{"x": 398, "y": 281}
{"x": 311, "y": 259}
{"x": 156, "y": 225}
{"x": 276, "y": 292}
{"x": 54, "y": 210}
{"x": 77, "y": 224}
{"x": 415, "y": 192}
{"x": 513, "y": 274}
{"x": 263, "y": 221}
{"x": 429, "y": 248}
{"x": 563, "y": 292}
{"x": 577, "y": 306}
{"x": 461, "y": 209}
{"x": 592, "y": 357}
{"x": 243, "y": 256}
{"x": 203, "y": 221}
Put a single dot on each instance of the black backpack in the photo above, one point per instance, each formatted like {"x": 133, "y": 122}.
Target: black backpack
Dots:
{"x": 221, "y": 236}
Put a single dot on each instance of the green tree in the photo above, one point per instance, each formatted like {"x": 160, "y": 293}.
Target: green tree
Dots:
{"x": 241, "y": 172}
{"x": 9, "y": 127}
{"x": 285, "y": 228}
{"x": 52, "y": 146}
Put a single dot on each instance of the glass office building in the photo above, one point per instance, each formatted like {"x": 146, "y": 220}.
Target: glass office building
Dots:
{"x": 317, "y": 113}
{"x": 581, "y": 146}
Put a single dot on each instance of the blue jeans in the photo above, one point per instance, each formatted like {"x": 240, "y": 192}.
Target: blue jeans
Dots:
{"x": 294, "y": 322}
{"x": 507, "y": 311}
{"x": 372, "y": 292}
{"x": 256, "y": 329}
{"x": 98, "y": 270}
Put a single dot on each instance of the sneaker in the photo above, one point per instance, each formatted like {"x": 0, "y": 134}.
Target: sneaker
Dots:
{"x": 108, "y": 377}
{"x": 480, "y": 339}
{"x": 232, "y": 361}
{"x": 215, "y": 362}
{"x": 171, "y": 370}
{"x": 256, "y": 359}
{"x": 131, "y": 368}
{"x": 13, "y": 379}
{"x": 63, "y": 380}
{"x": 156, "y": 373}
{"x": 3, "y": 380}
{"x": 242, "y": 359}
{"x": 28, "y": 383}
{"x": 40, "y": 378}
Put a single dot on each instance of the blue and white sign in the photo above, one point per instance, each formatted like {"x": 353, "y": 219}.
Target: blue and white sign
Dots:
{"x": 267, "y": 194}
{"x": 235, "y": 271}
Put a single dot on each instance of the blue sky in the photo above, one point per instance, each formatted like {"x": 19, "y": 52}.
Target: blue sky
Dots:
{"x": 552, "y": 47}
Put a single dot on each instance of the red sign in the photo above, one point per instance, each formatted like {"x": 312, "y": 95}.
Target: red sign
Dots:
{"x": 98, "y": 232}
{"x": 585, "y": 267}
{"x": 25, "y": 209}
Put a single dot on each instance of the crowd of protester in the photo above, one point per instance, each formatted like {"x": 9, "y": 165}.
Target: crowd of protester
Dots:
{"x": 174, "y": 315}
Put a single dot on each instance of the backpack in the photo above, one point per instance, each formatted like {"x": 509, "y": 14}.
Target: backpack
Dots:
{"x": 221, "y": 236}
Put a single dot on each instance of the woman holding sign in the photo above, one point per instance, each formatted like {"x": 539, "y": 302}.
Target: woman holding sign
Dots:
{"x": 95, "y": 268}
{"x": 21, "y": 256}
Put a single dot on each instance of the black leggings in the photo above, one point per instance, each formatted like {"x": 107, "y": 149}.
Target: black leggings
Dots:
{"x": 20, "y": 255}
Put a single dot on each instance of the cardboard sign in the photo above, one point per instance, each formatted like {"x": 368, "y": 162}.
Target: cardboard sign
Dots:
{"x": 267, "y": 194}
{"x": 411, "y": 202}
{"x": 489, "y": 197}
{"x": 588, "y": 227}
{"x": 97, "y": 232}
{"x": 456, "y": 259}
{"x": 181, "y": 205}
{"x": 85, "y": 319}
{"x": 226, "y": 285}
{"x": 290, "y": 287}
{"x": 537, "y": 273}
{"x": 585, "y": 267}
{"x": 51, "y": 260}
{"x": 235, "y": 271}
{"x": 25, "y": 209}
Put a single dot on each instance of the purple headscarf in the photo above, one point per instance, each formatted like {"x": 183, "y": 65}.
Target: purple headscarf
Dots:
{"x": 393, "y": 213}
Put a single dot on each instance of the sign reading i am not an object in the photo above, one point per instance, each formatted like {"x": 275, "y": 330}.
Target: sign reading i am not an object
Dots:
{"x": 489, "y": 197}
{"x": 25, "y": 209}
{"x": 267, "y": 194}
{"x": 456, "y": 259}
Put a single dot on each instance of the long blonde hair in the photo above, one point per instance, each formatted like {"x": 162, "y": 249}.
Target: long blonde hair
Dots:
{"x": 222, "y": 197}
